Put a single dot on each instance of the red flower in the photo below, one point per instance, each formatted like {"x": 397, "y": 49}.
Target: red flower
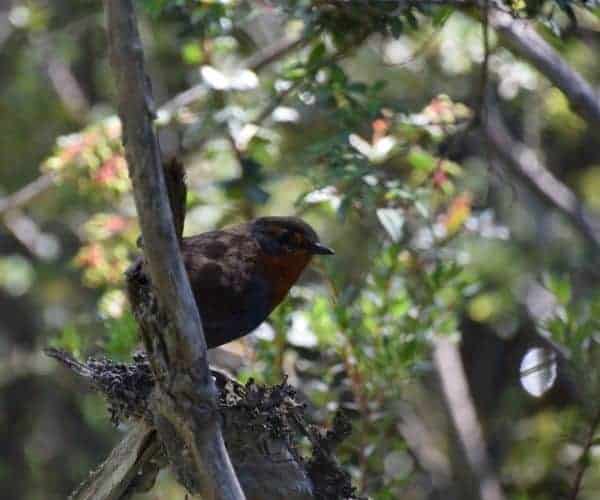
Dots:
{"x": 111, "y": 169}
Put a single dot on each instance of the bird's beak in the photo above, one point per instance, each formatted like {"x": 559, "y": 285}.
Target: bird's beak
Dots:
{"x": 319, "y": 249}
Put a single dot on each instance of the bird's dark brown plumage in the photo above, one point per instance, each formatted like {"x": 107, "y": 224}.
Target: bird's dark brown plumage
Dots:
{"x": 240, "y": 274}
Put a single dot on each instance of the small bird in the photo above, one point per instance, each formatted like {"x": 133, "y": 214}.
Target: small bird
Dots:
{"x": 240, "y": 274}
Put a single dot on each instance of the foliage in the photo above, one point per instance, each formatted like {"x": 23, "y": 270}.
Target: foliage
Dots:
{"x": 367, "y": 127}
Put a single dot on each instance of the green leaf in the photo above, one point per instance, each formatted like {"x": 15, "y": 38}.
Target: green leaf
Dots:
{"x": 560, "y": 288}
{"x": 441, "y": 16}
{"x": 337, "y": 75}
{"x": 421, "y": 160}
{"x": 316, "y": 54}
{"x": 295, "y": 71}
{"x": 191, "y": 53}
{"x": 400, "y": 307}
{"x": 412, "y": 19}
{"x": 122, "y": 335}
{"x": 378, "y": 86}
{"x": 396, "y": 27}
{"x": 358, "y": 87}
{"x": 69, "y": 340}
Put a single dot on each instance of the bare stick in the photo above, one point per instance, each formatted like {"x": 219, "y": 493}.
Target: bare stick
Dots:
{"x": 116, "y": 475}
{"x": 27, "y": 193}
{"x": 186, "y": 394}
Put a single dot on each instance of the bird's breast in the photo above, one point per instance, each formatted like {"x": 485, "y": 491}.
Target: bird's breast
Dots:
{"x": 281, "y": 272}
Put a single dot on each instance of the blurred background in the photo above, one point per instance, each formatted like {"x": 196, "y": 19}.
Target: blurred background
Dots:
{"x": 456, "y": 183}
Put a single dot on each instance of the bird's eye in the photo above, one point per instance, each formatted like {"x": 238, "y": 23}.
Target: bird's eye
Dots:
{"x": 291, "y": 238}
{"x": 287, "y": 237}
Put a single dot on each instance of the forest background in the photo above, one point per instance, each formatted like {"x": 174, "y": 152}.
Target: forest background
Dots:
{"x": 448, "y": 152}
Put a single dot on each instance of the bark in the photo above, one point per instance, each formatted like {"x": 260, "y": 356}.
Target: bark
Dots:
{"x": 118, "y": 477}
{"x": 264, "y": 428}
{"x": 184, "y": 395}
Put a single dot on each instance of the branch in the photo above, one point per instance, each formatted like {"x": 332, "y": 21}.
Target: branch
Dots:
{"x": 119, "y": 475}
{"x": 520, "y": 36}
{"x": 63, "y": 81}
{"x": 27, "y": 232}
{"x": 185, "y": 394}
{"x": 257, "y": 62}
{"x": 584, "y": 460}
{"x": 464, "y": 419}
{"x": 524, "y": 162}
{"x": 264, "y": 428}
{"x": 26, "y": 193}
{"x": 425, "y": 450}
{"x": 272, "y": 53}
{"x": 23, "y": 228}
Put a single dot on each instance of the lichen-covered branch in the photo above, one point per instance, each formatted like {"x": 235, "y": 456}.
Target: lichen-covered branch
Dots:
{"x": 262, "y": 426}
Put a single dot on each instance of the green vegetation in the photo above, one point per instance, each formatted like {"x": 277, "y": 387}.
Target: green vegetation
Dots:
{"x": 368, "y": 120}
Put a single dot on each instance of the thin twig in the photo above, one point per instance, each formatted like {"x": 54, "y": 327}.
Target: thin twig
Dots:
{"x": 63, "y": 80}
{"x": 282, "y": 96}
{"x": 421, "y": 50}
{"x": 583, "y": 462}
{"x": 485, "y": 73}
{"x": 27, "y": 232}
{"x": 276, "y": 102}
{"x": 255, "y": 63}
{"x": 27, "y": 193}
{"x": 273, "y": 53}
{"x": 23, "y": 228}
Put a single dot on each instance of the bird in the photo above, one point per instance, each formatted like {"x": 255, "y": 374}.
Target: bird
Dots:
{"x": 240, "y": 274}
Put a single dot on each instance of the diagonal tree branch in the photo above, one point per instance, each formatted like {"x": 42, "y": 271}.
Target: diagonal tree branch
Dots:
{"x": 256, "y": 63}
{"x": 117, "y": 477}
{"x": 584, "y": 461}
{"x": 185, "y": 394}
{"x": 524, "y": 162}
{"x": 519, "y": 36}
{"x": 27, "y": 193}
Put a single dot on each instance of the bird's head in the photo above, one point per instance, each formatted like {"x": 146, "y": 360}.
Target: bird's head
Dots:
{"x": 286, "y": 236}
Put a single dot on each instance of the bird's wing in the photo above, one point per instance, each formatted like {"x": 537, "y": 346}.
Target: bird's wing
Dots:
{"x": 232, "y": 295}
